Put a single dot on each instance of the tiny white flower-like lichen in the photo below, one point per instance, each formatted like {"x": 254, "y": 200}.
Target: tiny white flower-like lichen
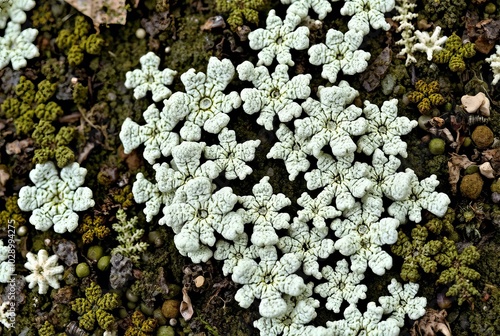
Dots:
{"x": 17, "y": 46}
{"x": 403, "y": 301}
{"x": 317, "y": 209}
{"x": 262, "y": 210}
{"x": 128, "y": 237}
{"x": 421, "y": 196}
{"x": 204, "y": 104}
{"x": 363, "y": 241}
{"x": 429, "y": 44}
{"x": 44, "y": 271}
{"x": 339, "y": 53}
{"x": 7, "y": 316}
{"x": 291, "y": 149}
{"x": 367, "y": 12}
{"x": 149, "y": 78}
{"x": 341, "y": 285}
{"x": 272, "y": 94}
{"x": 6, "y": 268}
{"x": 301, "y": 7}
{"x": 15, "y": 10}
{"x": 231, "y": 156}
{"x": 278, "y": 38}
{"x": 385, "y": 129}
{"x": 55, "y": 199}
{"x": 330, "y": 122}
{"x": 300, "y": 311}
{"x": 233, "y": 252}
{"x": 157, "y": 135}
{"x": 367, "y": 323}
{"x": 308, "y": 245}
{"x": 341, "y": 178}
{"x": 147, "y": 192}
{"x": 197, "y": 217}
{"x": 268, "y": 280}
{"x": 494, "y": 61}
{"x": 185, "y": 165}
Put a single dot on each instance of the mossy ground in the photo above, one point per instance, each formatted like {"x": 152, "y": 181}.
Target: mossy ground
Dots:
{"x": 103, "y": 103}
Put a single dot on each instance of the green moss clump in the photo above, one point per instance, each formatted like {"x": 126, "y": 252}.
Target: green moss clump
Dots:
{"x": 53, "y": 146}
{"x": 240, "y": 11}
{"x": 94, "y": 308}
{"x": 74, "y": 43}
{"x": 12, "y": 212}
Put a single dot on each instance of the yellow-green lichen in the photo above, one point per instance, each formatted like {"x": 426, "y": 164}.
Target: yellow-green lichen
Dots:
{"x": 92, "y": 227}
{"x": 426, "y": 95}
{"x": 94, "y": 308}
{"x": 240, "y": 11}
{"x": 141, "y": 326}
{"x": 454, "y": 52}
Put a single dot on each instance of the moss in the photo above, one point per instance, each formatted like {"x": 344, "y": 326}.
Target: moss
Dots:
{"x": 76, "y": 42}
{"x": 12, "y": 212}
{"x": 51, "y": 145}
{"x": 482, "y": 136}
{"x": 471, "y": 186}
{"x": 240, "y": 11}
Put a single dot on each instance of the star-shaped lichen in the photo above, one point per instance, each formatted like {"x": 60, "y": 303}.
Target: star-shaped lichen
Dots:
{"x": 95, "y": 307}
{"x": 141, "y": 326}
{"x": 273, "y": 94}
{"x": 308, "y": 245}
{"x": 341, "y": 284}
{"x": 429, "y": 44}
{"x": 262, "y": 210}
{"x": 385, "y": 129}
{"x": 149, "y": 78}
{"x": 330, "y": 122}
{"x": 231, "y": 156}
{"x": 340, "y": 52}
{"x": 204, "y": 104}
{"x": 278, "y": 38}
{"x": 291, "y": 149}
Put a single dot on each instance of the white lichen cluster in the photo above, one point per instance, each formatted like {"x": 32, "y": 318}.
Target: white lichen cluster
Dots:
{"x": 494, "y": 61}
{"x": 406, "y": 28}
{"x": 429, "y": 43}
{"x": 45, "y": 272}
{"x": 6, "y": 268}
{"x": 357, "y": 194}
{"x": 16, "y": 46}
{"x": 53, "y": 200}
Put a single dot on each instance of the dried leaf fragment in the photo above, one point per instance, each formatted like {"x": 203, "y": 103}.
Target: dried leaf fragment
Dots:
{"x": 102, "y": 11}
{"x": 186, "y": 307}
